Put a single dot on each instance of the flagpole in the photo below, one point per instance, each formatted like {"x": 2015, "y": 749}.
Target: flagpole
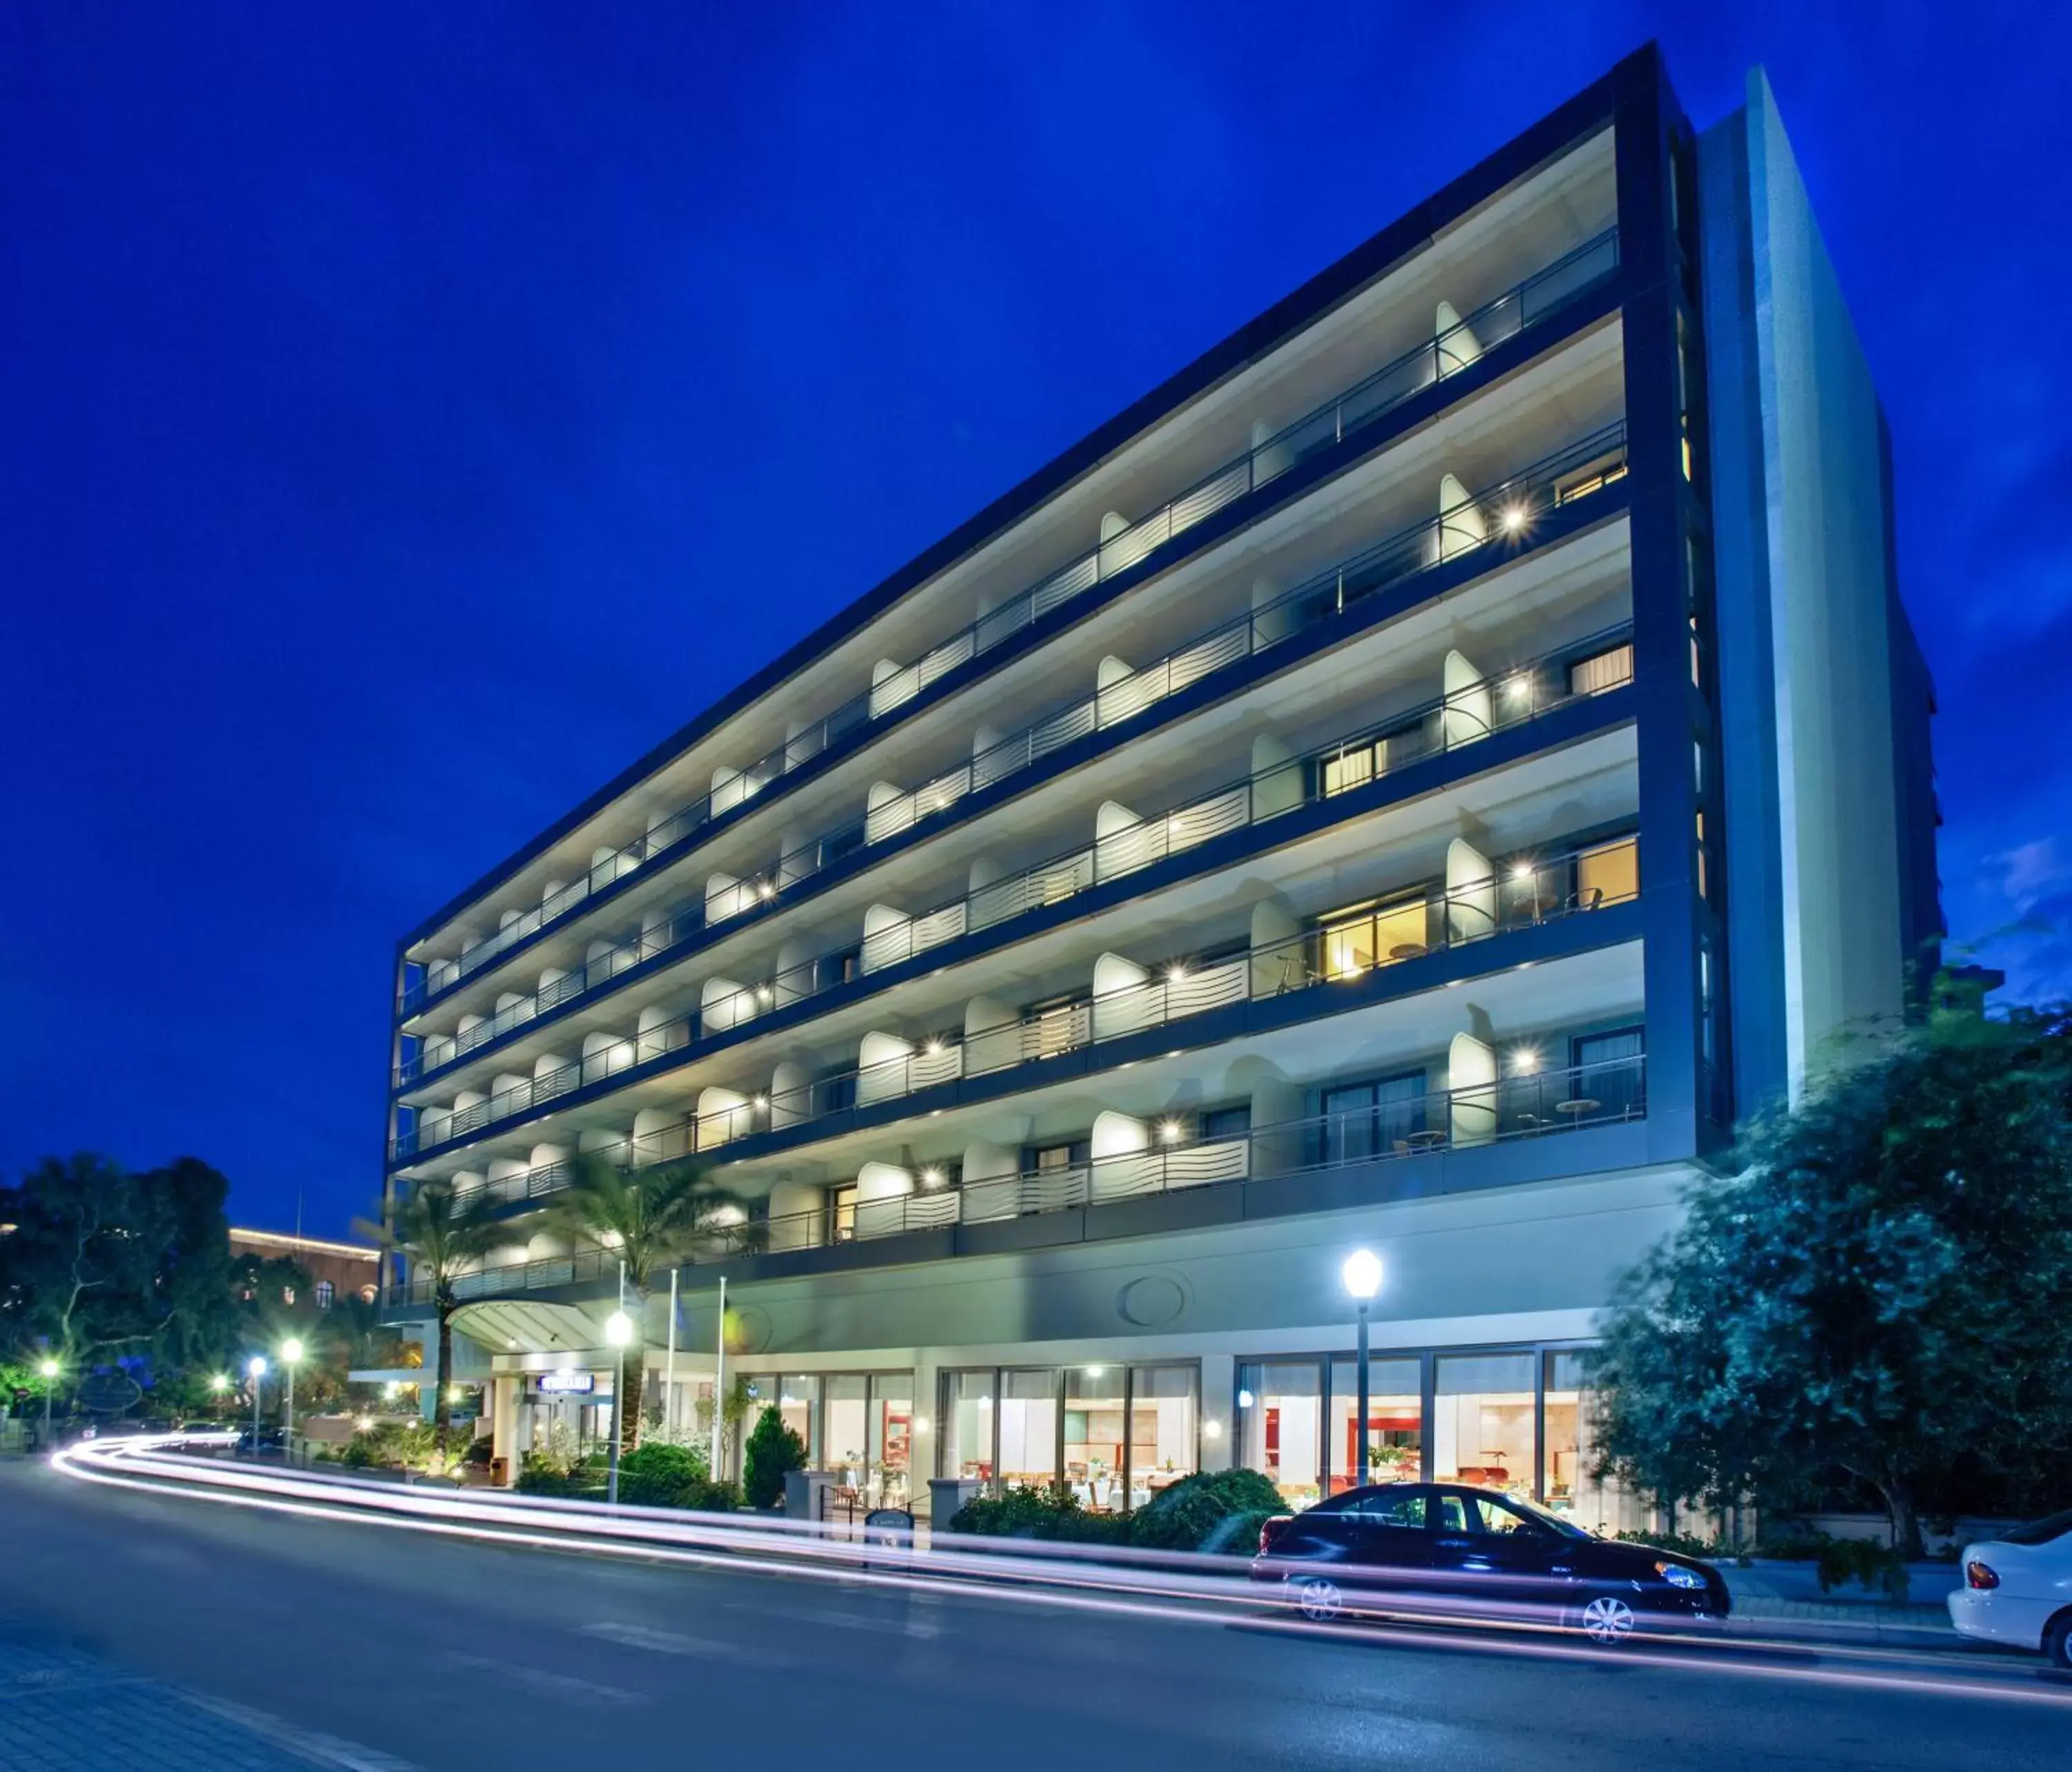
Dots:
{"x": 669, "y": 1365}
{"x": 719, "y": 1381}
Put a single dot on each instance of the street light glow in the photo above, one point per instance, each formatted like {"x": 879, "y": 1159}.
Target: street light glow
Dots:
{"x": 1362, "y": 1274}
{"x": 256, "y": 1366}
{"x": 291, "y": 1349}
{"x": 219, "y": 1383}
{"x": 618, "y": 1328}
{"x": 49, "y": 1368}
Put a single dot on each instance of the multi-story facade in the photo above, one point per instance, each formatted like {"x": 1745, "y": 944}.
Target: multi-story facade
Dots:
{"x": 1409, "y": 782}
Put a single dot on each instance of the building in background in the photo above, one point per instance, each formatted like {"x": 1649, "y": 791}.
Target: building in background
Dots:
{"x": 1410, "y": 781}
{"x": 336, "y": 1270}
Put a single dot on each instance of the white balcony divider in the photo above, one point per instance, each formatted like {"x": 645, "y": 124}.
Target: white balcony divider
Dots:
{"x": 1122, "y": 545}
{"x": 1552, "y": 1104}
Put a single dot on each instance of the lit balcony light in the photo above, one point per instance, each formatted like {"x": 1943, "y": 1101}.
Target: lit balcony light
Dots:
{"x": 1517, "y": 686}
{"x": 1525, "y": 1060}
{"x": 764, "y": 992}
{"x": 1168, "y": 1130}
{"x": 1212, "y": 1429}
{"x": 1095, "y": 1372}
{"x": 1514, "y": 518}
{"x": 1524, "y": 870}
{"x": 921, "y": 1424}
{"x": 1177, "y": 971}
{"x": 765, "y": 890}
{"x": 762, "y": 1102}
{"x": 935, "y": 1049}
{"x": 1244, "y": 1399}
{"x": 931, "y": 1178}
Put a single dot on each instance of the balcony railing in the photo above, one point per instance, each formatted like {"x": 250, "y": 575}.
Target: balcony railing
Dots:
{"x": 1511, "y": 1108}
{"x": 1465, "y": 715}
{"x": 1501, "y": 515}
{"x": 1410, "y": 927}
{"x": 1547, "y": 292}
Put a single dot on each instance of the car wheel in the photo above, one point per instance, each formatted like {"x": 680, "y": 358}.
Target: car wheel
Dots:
{"x": 1606, "y": 1620}
{"x": 1320, "y": 1599}
{"x": 2057, "y": 1641}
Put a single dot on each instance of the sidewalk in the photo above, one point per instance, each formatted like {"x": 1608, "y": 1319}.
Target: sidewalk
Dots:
{"x": 63, "y": 1712}
{"x": 1785, "y": 1599}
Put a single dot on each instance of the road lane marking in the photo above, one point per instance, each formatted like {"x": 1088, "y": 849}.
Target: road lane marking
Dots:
{"x": 542, "y": 1680}
{"x": 665, "y": 1643}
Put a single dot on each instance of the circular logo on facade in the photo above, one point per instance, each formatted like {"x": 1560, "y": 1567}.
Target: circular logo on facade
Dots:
{"x": 747, "y": 1329}
{"x": 1151, "y": 1300}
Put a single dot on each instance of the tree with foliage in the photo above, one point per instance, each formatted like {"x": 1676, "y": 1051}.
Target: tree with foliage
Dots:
{"x": 650, "y": 1218}
{"x": 773, "y": 1449}
{"x": 1882, "y": 1288}
{"x": 442, "y": 1237}
{"x": 104, "y": 1265}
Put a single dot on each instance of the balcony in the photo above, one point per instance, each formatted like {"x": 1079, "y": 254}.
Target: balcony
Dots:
{"x": 1467, "y": 712}
{"x": 1508, "y": 1110}
{"x": 1528, "y": 304}
{"x": 1476, "y": 904}
{"x": 1500, "y": 517}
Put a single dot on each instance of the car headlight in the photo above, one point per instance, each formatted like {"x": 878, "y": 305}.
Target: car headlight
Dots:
{"x": 1678, "y": 1576}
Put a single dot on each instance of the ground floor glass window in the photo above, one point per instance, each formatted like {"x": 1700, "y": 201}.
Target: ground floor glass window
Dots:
{"x": 1483, "y": 1421}
{"x": 1395, "y": 1423}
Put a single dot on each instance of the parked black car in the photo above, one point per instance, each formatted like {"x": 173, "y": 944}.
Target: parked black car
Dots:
{"x": 1436, "y": 1548}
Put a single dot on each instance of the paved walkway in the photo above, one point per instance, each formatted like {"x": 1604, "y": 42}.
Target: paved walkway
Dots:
{"x": 63, "y": 1712}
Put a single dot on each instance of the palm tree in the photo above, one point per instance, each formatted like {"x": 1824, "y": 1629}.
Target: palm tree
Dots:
{"x": 442, "y": 1236}
{"x": 649, "y": 1219}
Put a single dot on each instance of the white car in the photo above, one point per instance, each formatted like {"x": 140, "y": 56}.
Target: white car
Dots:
{"x": 2018, "y": 1589}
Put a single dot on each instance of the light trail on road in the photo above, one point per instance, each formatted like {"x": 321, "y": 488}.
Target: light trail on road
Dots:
{"x": 1169, "y": 1587}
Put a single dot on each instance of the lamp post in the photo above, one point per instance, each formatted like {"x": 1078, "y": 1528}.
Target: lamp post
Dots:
{"x": 291, "y": 1353}
{"x": 49, "y": 1369}
{"x": 218, "y": 1383}
{"x": 1362, "y": 1274}
{"x": 619, "y": 1331}
{"x": 255, "y": 1369}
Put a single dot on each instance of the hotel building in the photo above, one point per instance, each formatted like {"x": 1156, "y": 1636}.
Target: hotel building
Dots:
{"x": 1412, "y": 780}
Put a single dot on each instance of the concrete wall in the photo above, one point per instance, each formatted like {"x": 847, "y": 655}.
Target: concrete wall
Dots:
{"x": 1818, "y": 878}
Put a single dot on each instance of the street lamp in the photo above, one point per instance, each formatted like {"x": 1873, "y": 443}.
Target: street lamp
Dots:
{"x": 1362, "y": 1274}
{"x": 255, "y": 1369}
{"x": 619, "y": 1331}
{"x": 291, "y": 1353}
{"x": 49, "y": 1369}
{"x": 218, "y": 1383}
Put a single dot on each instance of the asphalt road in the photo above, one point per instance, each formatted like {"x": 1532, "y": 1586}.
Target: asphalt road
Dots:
{"x": 451, "y": 1657}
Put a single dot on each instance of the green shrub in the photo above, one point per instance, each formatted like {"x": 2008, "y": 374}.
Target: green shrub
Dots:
{"x": 1876, "y": 1567}
{"x": 549, "y": 1473}
{"x": 1053, "y": 1514}
{"x": 660, "y": 1475}
{"x": 1187, "y": 1514}
{"x": 1218, "y": 1511}
{"x": 773, "y": 1449}
{"x": 1683, "y": 1544}
{"x": 390, "y": 1445}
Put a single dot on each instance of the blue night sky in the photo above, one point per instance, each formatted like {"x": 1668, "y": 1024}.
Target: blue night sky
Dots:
{"x": 412, "y": 413}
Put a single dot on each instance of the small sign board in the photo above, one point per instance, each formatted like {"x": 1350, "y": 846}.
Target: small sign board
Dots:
{"x": 562, "y": 1383}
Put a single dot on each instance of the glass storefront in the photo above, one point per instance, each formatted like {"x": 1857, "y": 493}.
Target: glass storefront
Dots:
{"x": 799, "y": 1403}
{"x": 1115, "y": 1434}
{"x": 1485, "y": 1407}
{"x": 1280, "y": 1425}
{"x": 866, "y": 1433}
{"x": 1474, "y": 1417}
{"x": 1029, "y": 1423}
{"x": 1395, "y": 1423}
{"x": 1604, "y": 1507}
